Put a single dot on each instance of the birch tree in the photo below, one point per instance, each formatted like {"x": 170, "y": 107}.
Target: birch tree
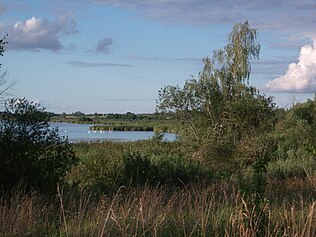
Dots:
{"x": 220, "y": 107}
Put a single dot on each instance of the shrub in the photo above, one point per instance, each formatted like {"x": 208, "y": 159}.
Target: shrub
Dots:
{"x": 175, "y": 169}
{"x": 32, "y": 154}
{"x": 162, "y": 169}
{"x": 138, "y": 169}
{"x": 295, "y": 166}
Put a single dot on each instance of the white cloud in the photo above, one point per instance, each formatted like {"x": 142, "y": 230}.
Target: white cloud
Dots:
{"x": 301, "y": 76}
{"x": 36, "y": 33}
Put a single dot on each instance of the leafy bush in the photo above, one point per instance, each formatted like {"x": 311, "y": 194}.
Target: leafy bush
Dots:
{"x": 138, "y": 169}
{"x": 175, "y": 170}
{"x": 32, "y": 154}
{"x": 105, "y": 166}
{"x": 295, "y": 166}
{"x": 162, "y": 169}
{"x": 99, "y": 168}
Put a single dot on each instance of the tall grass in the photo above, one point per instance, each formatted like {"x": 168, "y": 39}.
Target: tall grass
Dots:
{"x": 102, "y": 200}
{"x": 194, "y": 210}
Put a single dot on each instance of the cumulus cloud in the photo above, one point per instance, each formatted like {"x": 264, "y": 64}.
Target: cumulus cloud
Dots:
{"x": 36, "y": 33}
{"x": 104, "y": 45}
{"x": 301, "y": 76}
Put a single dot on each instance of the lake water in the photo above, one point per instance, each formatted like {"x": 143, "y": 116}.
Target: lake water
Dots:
{"x": 81, "y": 132}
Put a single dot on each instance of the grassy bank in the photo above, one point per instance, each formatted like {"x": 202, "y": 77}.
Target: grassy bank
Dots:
{"x": 134, "y": 127}
{"x": 194, "y": 210}
{"x": 152, "y": 188}
{"x": 150, "y": 122}
{"x": 131, "y": 118}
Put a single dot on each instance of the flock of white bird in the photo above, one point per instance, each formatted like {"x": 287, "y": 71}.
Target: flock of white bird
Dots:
{"x": 95, "y": 131}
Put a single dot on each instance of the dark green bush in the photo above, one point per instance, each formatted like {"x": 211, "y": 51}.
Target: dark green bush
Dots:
{"x": 31, "y": 153}
{"x": 177, "y": 170}
{"x": 162, "y": 169}
{"x": 138, "y": 169}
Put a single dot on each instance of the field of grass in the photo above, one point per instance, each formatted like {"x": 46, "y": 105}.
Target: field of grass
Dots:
{"x": 151, "y": 188}
{"x": 217, "y": 209}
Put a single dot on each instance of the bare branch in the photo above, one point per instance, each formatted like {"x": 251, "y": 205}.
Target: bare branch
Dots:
{"x": 6, "y": 87}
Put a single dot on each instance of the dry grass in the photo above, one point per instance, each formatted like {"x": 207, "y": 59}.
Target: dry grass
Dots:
{"x": 25, "y": 215}
{"x": 215, "y": 210}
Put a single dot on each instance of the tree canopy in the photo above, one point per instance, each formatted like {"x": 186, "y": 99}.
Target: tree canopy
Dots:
{"x": 220, "y": 107}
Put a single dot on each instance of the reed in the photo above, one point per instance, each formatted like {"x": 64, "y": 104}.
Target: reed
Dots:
{"x": 193, "y": 210}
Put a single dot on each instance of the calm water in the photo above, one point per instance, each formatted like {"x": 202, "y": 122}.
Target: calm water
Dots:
{"x": 81, "y": 132}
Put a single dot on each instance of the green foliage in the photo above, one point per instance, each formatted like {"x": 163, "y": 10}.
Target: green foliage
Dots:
{"x": 103, "y": 167}
{"x": 225, "y": 120}
{"x": 117, "y": 119}
{"x": 221, "y": 115}
{"x": 78, "y": 113}
{"x": 83, "y": 119}
{"x": 138, "y": 169}
{"x": 32, "y": 154}
{"x": 178, "y": 170}
{"x": 161, "y": 169}
{"x": 296, "y": 165}
{"x": 99, "y": 168}
{"x": 295, "y": 134}
{"x": 121, "y": 128}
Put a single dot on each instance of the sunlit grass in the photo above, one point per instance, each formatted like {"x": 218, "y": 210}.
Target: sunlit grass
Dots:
{"x": 213, "y": 210}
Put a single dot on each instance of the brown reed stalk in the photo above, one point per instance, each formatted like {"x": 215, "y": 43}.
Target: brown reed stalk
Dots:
{"x": 62, "y": 209}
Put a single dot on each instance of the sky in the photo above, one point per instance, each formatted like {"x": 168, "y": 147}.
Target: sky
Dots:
{"x": 113, "y": 56}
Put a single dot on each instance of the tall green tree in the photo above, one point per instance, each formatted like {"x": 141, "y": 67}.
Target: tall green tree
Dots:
{"x": 220, "y": 109}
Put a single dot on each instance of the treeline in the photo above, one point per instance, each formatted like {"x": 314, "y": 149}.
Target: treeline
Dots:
{"x": 97, "y": 118}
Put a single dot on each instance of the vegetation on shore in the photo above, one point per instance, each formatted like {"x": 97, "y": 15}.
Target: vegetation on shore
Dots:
{"x": 241, "y": 166}
{"x": 112, "y": 119}
{"x": 130, "y": 127}
{"x": 157, "y": 122}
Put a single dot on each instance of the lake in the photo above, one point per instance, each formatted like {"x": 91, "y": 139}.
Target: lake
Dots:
{"x": 81, "y": 132}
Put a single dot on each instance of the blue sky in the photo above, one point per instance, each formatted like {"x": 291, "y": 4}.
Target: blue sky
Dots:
{"x": 114, "y": 55}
